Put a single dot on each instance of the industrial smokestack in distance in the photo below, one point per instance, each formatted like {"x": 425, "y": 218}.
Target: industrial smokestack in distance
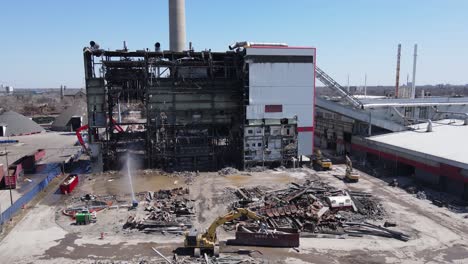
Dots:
{"x": 397, "y": 85}
{"x": 177, "y": 25}
{"x": 413, "y": 88}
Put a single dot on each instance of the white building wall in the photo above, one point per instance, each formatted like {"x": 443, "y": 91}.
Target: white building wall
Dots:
{"x": 305, "y": 142}
{"x": 289, "y": 84}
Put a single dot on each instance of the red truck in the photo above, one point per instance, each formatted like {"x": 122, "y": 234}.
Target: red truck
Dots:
{"x": 14, "y": 171}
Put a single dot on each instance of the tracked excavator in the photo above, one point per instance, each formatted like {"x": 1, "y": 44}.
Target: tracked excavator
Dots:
{"x": 351, "y": 175}
{"x": 321, "y": 163}
{"x": 208, "y": 240}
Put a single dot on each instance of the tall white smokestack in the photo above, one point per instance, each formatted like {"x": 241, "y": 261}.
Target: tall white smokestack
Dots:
{"x": 413, "y": 88}
{"x": 397, "y": 85}
{"x": 177, "y": 25}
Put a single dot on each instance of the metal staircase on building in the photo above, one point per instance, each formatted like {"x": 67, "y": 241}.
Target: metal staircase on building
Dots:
{"x": 357, "y": 111}
{"x": 328, "y": 81}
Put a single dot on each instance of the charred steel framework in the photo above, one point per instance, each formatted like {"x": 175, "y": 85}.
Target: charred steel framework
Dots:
{"x": 193, "y": 103}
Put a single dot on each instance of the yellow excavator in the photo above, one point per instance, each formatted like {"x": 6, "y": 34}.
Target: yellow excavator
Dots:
{"x": 351, "y": 175}
{"x": 208, "y": 240}
{"x": 320, "y": 162}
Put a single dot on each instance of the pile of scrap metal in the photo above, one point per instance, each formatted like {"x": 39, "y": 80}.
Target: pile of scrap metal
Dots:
{"x": 89, "y": 203}
{"x": 168, "y": 211}
{"x": 225, "y": 259}
{"x": 360, "y": 229}
{"x": 222, "y": 260}
{"x": 168, "y": 194}
{"x": 315, "y": 207}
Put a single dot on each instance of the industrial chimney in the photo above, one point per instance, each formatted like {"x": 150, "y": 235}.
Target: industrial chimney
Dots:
{"x": 397, "y": 85}
{"x": 177, "y": 25}
{"x": 413, "y": 88}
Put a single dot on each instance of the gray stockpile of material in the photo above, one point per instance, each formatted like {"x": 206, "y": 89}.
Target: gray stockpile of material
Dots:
{"x": 63, "y": 122}
{"x": 17, "y": 124}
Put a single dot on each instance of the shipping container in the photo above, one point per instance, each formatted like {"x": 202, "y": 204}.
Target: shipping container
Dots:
{"x": 69, "y": 184}
{"x": 15, "y": 170}
{"x": 280, "y": 237}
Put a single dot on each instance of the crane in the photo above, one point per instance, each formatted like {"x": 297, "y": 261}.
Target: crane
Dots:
{"x": 208, "y": 240}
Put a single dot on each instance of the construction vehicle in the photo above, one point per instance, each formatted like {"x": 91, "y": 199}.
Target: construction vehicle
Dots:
{"x": 208, "y": 240}
{"x": 321, "y": 163}
{"x": 82, "y": 142}
{"x": 351, "y": 175}
{"x": 14, "y": 172}
{"x": 85, "y": 217}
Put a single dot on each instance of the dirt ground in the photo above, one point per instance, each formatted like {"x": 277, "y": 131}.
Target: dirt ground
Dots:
{"x": 45, "y": 235}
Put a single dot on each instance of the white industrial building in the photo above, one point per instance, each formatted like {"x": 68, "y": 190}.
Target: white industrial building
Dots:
{"x": 280, "y": 109}
{"x": 393, "y": 134}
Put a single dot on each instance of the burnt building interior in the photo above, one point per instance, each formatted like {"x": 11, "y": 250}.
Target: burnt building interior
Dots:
{"x": 191, "y": 103}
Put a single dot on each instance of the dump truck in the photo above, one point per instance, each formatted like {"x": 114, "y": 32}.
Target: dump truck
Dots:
{"x": 321, "y": 163}
{"x": 13, "y": 172}
{"x": 208, "y": 240}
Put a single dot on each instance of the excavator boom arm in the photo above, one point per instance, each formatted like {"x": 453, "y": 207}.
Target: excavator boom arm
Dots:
{"x": 239, "y": 212}
{"x": 80, "y": 138}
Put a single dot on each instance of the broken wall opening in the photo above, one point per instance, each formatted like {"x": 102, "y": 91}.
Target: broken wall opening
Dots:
{"x": 190, "y": 103}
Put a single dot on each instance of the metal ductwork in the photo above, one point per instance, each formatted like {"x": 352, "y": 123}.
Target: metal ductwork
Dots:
{"x": 429, "y": 126}
{"x": 244, "y": 44}
{"x": 177, "y": 25}
{"x": 465, "y": 115}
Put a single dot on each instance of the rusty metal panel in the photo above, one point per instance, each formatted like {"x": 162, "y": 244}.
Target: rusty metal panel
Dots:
{"x": 284, "y": 237}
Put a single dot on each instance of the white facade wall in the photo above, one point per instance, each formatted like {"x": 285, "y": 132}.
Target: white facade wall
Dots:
{"x": 289, "y": 84}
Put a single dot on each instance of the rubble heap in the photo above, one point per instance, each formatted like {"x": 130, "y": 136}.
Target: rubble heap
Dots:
{"x": 315, "y": 207}
{"x": 167, "y": 211}
{"x": 228, "y": 171}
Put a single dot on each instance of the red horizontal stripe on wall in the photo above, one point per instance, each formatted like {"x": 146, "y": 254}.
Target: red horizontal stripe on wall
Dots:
{"x": 273, "y": 108}
{"x": 305, "y": 129}
{"x": 444, "y": 169}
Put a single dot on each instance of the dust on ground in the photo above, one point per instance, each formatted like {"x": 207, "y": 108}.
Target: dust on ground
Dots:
{"x": 45, "y": 235}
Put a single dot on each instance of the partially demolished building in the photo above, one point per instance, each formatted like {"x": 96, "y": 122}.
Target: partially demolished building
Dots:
{"x": 202, "y": 110}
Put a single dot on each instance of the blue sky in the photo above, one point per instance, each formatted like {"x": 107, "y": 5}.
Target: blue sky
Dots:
{"x": 41, "y": 41}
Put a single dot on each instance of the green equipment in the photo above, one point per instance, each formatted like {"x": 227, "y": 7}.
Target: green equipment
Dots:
{"x": 83, "y": 218}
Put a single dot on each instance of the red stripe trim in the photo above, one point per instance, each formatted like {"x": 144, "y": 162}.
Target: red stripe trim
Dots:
{"x": 305, "y": 129}
{"x": 444, "y": 169}
{"x": 278, "y": 47}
